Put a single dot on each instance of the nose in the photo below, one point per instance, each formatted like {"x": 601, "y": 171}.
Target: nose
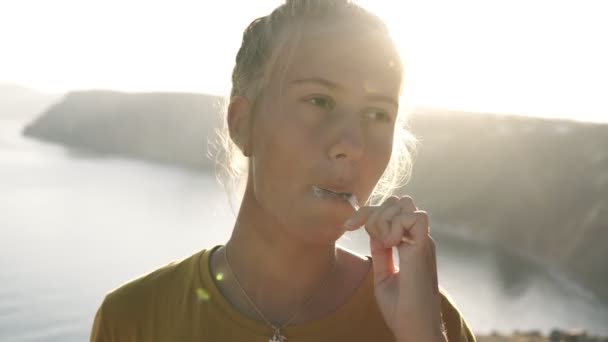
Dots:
{"x": 347, "y": 142}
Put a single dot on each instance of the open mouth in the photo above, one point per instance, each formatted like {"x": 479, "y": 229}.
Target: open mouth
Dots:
{"x": 346, "y": 196}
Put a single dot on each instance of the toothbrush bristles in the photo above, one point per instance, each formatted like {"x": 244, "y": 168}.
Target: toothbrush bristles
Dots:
{"x": 352, "y": 199}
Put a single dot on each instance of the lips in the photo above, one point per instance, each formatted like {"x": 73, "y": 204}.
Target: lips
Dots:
{"x": 339, "y": 191}
{"x": 336, "y": 193}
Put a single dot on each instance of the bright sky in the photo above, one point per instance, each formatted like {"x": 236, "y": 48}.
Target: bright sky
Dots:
{"x": 537, "y": 57}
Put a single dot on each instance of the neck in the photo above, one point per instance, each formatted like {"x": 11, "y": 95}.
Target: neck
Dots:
{"x": 277, "y": 271}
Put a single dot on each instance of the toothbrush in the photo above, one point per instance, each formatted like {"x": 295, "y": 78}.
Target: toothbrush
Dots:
{"x": 352, "y": 199}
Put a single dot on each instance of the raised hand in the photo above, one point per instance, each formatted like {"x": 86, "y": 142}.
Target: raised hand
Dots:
{"x": 408, "y": 296}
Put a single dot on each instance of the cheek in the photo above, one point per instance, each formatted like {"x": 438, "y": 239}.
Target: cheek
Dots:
{"x": 281, "y": 148}
{"x": 380, "y": 147}
{"x": 292, "y": 134}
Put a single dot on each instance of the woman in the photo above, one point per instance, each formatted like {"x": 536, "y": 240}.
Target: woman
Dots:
{"x": 313, "y": 108}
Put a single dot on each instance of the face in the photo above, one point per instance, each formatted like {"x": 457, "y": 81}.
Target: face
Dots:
{"x": 324, "y": 125}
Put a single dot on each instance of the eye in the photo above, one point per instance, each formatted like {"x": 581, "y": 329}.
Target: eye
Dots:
{"x": 325, "y": 102}
{"x": 378, "y": 115}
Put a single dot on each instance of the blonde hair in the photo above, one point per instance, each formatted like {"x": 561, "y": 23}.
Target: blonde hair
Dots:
{"x": 264, "y": 41}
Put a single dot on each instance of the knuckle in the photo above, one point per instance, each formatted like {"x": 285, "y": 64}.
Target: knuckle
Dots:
{"x": 384, "y": 225}
{"x": 407, "y": 200}
{"x": 391, "y": 200}
{"x": 406, "y": 218}
{"x": 374, "y": 229}
{"x": 422, "y": 214}
{"x": 406, "y": 203}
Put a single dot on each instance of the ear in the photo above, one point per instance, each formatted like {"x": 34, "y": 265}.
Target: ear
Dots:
{"x": 239, "y": 123}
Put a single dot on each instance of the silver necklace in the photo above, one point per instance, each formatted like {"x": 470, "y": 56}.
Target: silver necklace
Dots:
{"x": 276, "y": 336}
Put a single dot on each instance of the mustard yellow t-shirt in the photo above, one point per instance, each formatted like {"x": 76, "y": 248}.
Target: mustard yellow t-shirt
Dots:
{"x": 180, "y": 302}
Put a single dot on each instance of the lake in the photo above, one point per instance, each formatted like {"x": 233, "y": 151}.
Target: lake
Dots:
{"x": 74, "y": 225}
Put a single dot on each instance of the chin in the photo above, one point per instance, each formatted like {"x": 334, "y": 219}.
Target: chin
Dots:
{"x": 321, "y": 232}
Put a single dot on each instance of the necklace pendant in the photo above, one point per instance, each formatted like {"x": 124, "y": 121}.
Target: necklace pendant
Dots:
{"x": 277, "y": 337}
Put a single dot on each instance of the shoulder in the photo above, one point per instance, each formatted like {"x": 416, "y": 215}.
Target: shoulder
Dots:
{"x": 139, "y": 299}
{"x": 455, "y": 325}
{"x": 163, "y": 279}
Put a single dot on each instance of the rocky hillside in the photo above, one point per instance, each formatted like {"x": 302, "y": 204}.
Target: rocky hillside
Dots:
{"x": 535, "y": 186}
{"x": 163, "y": 127}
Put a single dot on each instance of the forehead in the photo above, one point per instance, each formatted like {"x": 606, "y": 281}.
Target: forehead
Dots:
{"x": 364, "y": 62}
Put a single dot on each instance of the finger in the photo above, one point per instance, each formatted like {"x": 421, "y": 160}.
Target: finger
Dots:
{"x": 382, "y": 260}
{"x": 421, "y": 262}
{"x": 376, "y": 226}
{"x": 382, "y": 223}
{"x": 434, "y": 265}
{"x": 399, "y": 230}
{"x": 408, "y": 206}
{"x": 420, "y": 230}
{"x": 366, "y": 214}
{"x": 359, "y": 218}
{"x": 411, "y": 235}
{"x": 406, "y": 203}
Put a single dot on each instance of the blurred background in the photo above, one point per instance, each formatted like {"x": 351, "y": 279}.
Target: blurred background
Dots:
{"x": 108, "y": 110}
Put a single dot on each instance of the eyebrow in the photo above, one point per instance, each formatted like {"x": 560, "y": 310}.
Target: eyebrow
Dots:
{"x": 322, "y": 81}
{"x": 332, "y": 85}
{"x": 383, "y": 98}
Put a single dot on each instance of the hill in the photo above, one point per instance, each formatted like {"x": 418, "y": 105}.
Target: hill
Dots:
{"x": 535, "y": 186}
{"x": 162, "y": 127}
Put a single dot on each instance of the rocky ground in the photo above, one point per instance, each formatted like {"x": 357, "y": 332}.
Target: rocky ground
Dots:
{"x": 533, "y": 336}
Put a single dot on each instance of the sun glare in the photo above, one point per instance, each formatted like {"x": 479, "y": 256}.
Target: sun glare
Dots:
{"x": 537, "y": 57}
{"x": 130, "y": 45}
{"x": 541, "y": 57}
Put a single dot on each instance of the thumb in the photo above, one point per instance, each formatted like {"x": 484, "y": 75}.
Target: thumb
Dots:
{"x": 382, "y": 260}
{"x": 359, "y": 218}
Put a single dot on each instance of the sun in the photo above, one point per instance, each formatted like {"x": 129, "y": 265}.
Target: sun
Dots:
{"x": 490, "y": 56}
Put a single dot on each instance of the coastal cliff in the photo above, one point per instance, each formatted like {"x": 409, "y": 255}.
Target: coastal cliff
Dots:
{"x": 170, "y": 128}
{"x": 535, "y": 186}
